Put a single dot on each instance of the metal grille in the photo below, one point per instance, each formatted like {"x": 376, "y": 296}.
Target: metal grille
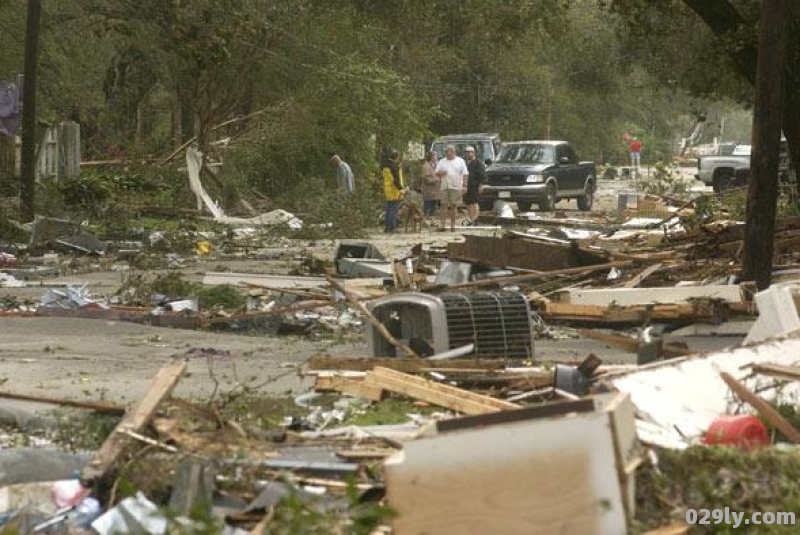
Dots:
{"x": 498, "y": 323}
{"x": 507, "y": 180}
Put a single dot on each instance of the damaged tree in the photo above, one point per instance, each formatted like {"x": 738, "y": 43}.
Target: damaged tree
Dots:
{"x": 734, "y": 27}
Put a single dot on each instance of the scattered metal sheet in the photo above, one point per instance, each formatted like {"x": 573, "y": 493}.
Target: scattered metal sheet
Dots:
{"x": 677, "y": 400}
{"x": 364, "y": 268}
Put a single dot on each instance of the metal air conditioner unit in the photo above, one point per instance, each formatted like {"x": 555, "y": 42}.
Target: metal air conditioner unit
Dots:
{"x": 497, "y": 323}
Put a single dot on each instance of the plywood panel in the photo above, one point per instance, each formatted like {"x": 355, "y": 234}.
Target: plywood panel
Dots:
{"x": 554, "y": 475}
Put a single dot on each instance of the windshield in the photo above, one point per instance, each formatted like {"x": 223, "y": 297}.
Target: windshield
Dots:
{"x": 527, "y": 154}
{"x": 483, "y": 149}
{"x": 742, "y": 150}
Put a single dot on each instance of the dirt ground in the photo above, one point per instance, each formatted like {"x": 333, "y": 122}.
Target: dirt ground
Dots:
{"x": 94, "y": 359}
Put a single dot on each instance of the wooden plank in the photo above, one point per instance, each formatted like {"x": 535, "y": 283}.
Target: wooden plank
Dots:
{"x": 104, "y": 407}
{"x": 324, "y": 362}
{"x": 546, "y": 410}
{"x": 347, "y": 385}
{"x": 645, "y": 296}
{"x": 764, "y": 409}
{"x": 447, "y": 396}
{"x": 638, "y": 279}
{"x": 631, "y": 345}
{"x": 135, "y": 420}
{"x": 781, "y": 371}
{"x": 689, "y": 312}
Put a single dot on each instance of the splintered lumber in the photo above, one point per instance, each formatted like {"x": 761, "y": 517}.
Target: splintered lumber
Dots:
{"x": 450, "y": 397}
{"x": 638, "y": 279}
{"x": 529, "y": 277}
{"x": 98, "y": 406}
{"x": 631, "y": 345}
{"x": 351, "y": 386}
{"x": 684, "y": 312}
{"x": 523, "y": 252}
{"x": 135, "y": 420}
{"x": 779, "y": 371}
{"x": 371, "y": 319}
{"x": 762, "y": 407}
{"x": 322, "y": 362}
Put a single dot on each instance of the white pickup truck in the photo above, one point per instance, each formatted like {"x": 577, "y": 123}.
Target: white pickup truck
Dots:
{"x": 723, "y": 172}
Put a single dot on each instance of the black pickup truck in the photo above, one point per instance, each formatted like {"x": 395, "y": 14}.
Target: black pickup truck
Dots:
{"x": 541, "y": 172}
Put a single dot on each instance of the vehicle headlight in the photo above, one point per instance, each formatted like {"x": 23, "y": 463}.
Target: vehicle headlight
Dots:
{"x": 535, "y": 178}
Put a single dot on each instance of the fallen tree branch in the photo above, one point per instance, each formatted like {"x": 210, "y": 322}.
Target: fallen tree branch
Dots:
{"x": 372, "y": 320}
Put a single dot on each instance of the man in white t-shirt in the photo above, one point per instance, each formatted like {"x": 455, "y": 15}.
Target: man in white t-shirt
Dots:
{"x": 453, "y": 172}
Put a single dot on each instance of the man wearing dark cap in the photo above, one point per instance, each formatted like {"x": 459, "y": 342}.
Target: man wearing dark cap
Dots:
{"x": 477, "y": 177}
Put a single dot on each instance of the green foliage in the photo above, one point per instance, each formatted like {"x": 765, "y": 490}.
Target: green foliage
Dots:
{"x": 608, "y": 172}
{"x": 715, "y": 478}
{"x": 328, "y": 215}
{"x": 294, "y": 514}
{"x": 82, "y": 431}
{"x": 389, "y": 411}
{"x": 173, "y": 285}
{"x": 10, "y": 232}
{"x": 663, "y": 181}
{"x": 225, "y": 296}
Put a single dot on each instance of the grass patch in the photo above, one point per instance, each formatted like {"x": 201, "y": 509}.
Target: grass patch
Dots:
{"x": 389, "y": 411}
{"x": 715, "y": 478}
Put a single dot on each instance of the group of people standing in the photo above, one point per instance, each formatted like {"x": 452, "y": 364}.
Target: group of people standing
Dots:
{"x": 444, "y": 183}
{"x": 442, "y": 186}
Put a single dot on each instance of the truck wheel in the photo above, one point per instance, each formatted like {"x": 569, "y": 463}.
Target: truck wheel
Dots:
{"x": 524, "y": 206}
{"x": 549, "y": 201}
{"x": 586, "y": 200}
{"x": 723, "y": 182}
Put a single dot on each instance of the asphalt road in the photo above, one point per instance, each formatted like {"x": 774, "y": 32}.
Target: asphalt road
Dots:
{"x": 95, "y": 359}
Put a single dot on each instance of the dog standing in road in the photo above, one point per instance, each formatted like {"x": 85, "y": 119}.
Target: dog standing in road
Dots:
{"x": 411, "y": 216}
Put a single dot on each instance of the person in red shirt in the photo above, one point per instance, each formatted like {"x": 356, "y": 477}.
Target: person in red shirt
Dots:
{"x": 636, "y": 152}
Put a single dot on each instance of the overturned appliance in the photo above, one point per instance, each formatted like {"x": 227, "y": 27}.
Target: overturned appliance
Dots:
{"x": 498, "y": 324}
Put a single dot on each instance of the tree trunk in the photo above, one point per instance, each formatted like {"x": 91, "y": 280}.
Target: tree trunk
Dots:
{"x": 762, "y": 187}
{"x": 28, "y": 185}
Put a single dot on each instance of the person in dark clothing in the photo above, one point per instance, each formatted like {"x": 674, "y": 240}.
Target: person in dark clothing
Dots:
{"x": 475, "y": 182}
{"x": 394, "y": 189}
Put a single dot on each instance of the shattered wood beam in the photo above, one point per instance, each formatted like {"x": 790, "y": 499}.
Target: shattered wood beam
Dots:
{"x": 693, "y": 312}
{"x": 528, "y": 277}
{"x": 780, "y": 371}
{"x": 322, "y": 362}
{"x": 638, "y": 279}
{"x": 631, "y": 345}
{"x": 450, "y": 397}
{"x": 347, "y": 385}
{"x": 97, "y": 406}
{"x": 135, "y": 420}
{"x": 371, "y": 319}
{"x": 763, "y": 408}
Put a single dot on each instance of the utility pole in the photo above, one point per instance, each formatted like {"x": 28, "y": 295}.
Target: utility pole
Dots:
{"x": 28, "y": 185}
{"x": 762, "y": 185}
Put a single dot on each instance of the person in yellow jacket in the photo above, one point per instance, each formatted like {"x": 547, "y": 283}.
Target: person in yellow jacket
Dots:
{"x": 394, "y": 189}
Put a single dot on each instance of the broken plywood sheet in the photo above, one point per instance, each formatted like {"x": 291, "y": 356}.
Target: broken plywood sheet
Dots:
{"x": 283, "y": 281}
{"x": 547, "y": 475}
{"x": 523, "y": 252}
{"x": 645, "y": 296}
{"x": 676, "y": 401}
